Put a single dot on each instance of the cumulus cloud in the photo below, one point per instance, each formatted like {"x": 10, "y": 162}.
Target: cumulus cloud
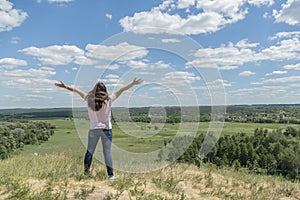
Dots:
{"x": 108, "y": 16}
{"x": 276, "y": 73}
{"x": 15, "y": 40}
{"x": 170, "y": 40}
{"x": 284, "y": 50}
{"x": 112, "y": 80}
{"x": 10, "y": 63}
{"x": 230, "y": 55}
{"x": 185, "y": 3}
{"x": 59, "y": 1}
{"x": 247, "y": 73}
{"x": 287, "y": 79}
{"x": 209, "y": 16}
{"x": 33, "y": 80}
{"x": 147, "y": 66}
{"x": 261, "y": 2}
{"x": 290, "y": 34}
{"x": 228, "y": 67}
{"x": 245, "y": 44}
{"x": 120, "y": 52}
{"x": 226, "y": 56}
{"x": 289, "y": 13}
{"x": 293, "y": 67}
{"x": 55, "y": 55}
{"x": 111, "y": 66}
{"x": 180, "y": 78}
{"x": 10, "y": 17}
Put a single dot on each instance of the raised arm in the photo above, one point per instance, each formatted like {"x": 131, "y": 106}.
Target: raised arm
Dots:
{"x": 133, "y": 83}
{"x": 62, "y": 85}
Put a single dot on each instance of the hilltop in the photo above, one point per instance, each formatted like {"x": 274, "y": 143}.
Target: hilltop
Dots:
{"x": 53, "y": 170}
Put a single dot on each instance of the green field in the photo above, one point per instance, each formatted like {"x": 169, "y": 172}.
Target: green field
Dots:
{"x": 53, "y": 170}
{"x": 131, "y": 137}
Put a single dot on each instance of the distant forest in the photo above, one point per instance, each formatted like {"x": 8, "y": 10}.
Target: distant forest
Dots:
{"x": 274, "y": 152}
{"x": 14, "y": 135}
{"x": 279, "y": 113}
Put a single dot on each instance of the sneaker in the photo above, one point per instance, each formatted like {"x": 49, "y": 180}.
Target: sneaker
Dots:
{"x": 111, "y": 178}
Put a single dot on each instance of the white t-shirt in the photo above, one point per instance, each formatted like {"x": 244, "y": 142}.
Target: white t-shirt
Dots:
{"x": 101, "y": 119}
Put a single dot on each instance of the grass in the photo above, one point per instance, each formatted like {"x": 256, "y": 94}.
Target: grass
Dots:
{"x": 54, "y": 170}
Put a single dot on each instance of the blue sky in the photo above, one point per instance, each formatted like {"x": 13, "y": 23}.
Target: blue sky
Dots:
{"x": 187, "y": 51}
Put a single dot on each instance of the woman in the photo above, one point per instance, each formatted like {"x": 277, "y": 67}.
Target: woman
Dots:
{"x": 99, "y": 112}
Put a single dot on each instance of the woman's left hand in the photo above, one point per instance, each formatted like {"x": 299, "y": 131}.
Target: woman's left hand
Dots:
{"x": 137, "y": 81}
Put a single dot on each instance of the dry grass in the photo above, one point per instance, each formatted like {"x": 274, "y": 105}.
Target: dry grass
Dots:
{"x": 178, "y": 181}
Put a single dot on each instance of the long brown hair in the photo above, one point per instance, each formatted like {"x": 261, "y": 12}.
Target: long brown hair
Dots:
{"x": 97, "y": 96}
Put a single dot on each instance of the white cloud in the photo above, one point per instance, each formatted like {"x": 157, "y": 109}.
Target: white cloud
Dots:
{"x": 74, "y": 69}
{"x": 209, "y": 16}
{"x": 287, "y": 79}
{"x": 261, "y": 2}
{"x": 146, "y": 66}
{"x": 34, "y": 97}
{"x": 10, "y": 17}
{"x": 112, "y": 76}
{"x": 9, "y": 63}
{"x": 111, "y": 66}
{"x": 170, "y": 40}
{"x": 294, "y": 67}
{"x": 228, "y": 67}
{"x": 59, "y": 1}
{"x": 256, "y": 90}
{"x": 47, "y": 69}
{"x": 276, "y": 73}
{"x": 289, "y": 13}
{"x": 286, "y": 35}
{"x": 15, "y": 40}
{"x": 285, "y": 50}
{"x": 55, "y": 55}
{"x": 266, "y": 15}
{"x": 218, "y": 84}
{"x": 120, "y": 52}
{"x": 33, "y": 80}
{"x": 185, "y": 3}
{"x": 240, "y": 53}
{"x": 229, "y": 55}
{"x": 108, "y": 16}
{"x": 180, "y": 78}
{"x": 247, "y": 73}
{"x": 245, "y": 44}
{"x": 112, "y": 80}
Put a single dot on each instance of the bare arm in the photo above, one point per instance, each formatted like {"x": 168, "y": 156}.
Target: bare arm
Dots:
{"x": 134, "y": 82}
{"x": 62, "y": 85}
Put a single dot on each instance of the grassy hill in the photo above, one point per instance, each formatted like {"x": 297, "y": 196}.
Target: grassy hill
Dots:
{"x": 53, "y": 170}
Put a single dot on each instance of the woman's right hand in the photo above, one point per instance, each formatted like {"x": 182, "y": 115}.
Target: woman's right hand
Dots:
{"x": 60, "y": 84}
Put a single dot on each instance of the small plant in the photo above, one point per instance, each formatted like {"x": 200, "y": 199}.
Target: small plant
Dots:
{"x": 209, "y": 180}
{"x": 82, "y": 195}
{"x": 137, "y": 191}
{"x": 100, "y": 175}
{"x": 169, "y": 184}
{"x": 18, "y": 189}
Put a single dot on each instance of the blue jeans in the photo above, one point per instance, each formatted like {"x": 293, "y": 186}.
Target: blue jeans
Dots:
{"x": 106, "y": 139}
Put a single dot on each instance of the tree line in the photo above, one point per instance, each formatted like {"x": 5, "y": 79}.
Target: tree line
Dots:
{"x": 285, "y": 114}
{"x": 274, "y": 152}
{"x": 14, "y": 135}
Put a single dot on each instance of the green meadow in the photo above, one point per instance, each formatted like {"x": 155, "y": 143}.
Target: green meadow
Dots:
{"x": 54, "y": 169}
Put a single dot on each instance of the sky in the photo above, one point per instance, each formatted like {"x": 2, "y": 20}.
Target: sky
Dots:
{"x": 188, "y": 52}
